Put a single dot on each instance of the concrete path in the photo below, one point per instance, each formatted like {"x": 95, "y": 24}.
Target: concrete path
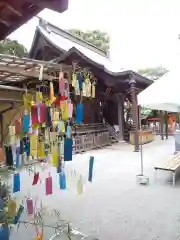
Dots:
{"x": 113, "y": 206}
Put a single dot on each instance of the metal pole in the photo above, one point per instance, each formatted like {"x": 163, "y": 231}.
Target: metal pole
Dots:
{"x": 141, "y": 148}
{"x": 143, "y": 180}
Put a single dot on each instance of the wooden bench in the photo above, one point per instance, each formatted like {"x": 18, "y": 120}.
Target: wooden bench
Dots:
{"x": 172, "y": 165}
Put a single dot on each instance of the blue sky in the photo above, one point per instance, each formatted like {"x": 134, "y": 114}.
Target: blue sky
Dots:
{"x": 144, "y": 33}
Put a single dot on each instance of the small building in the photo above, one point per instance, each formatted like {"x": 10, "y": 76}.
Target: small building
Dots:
{"x": 115, "y": 90}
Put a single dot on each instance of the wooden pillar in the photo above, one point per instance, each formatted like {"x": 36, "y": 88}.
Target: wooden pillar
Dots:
{"x": 166, "y": 122}
{"x": 135, "y": 116}
{"x": 1, "y": 127}
{"x": 120, "y": 107}
{"x": 162, "y": 125}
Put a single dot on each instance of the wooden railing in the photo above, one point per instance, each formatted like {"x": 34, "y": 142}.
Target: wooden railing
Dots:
{"x": 91, "y": 136}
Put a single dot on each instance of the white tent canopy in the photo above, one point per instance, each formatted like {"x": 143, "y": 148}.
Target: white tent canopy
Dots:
{"x": 163, "y": 94}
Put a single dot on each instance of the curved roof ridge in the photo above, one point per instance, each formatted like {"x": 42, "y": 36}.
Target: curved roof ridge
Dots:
{"x": 64, "y": 33}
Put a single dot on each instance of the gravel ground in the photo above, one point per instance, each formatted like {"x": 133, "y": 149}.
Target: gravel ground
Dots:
{"x": 113, "y": 206}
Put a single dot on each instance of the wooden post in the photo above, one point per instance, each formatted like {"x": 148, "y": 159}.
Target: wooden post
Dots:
{"x": 120, "y": 107}
{"x": 135, "y": 116}
{"x": 1, "y": 126}
{"x": 162, "y": 125}
{"x": 166, "y": 122}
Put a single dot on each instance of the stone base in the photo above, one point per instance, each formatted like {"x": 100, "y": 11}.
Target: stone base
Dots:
{"x": 142, "y": 180}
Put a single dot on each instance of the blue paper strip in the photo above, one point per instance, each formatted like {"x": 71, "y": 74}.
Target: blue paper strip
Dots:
{"x": 79, "y": 114}
{"x": 17, "y": 157}
{"x": 62, "y": 180}
{"x": 16, "y": 183}
{"x": 68, "y": 145}
{"x": 26, "y": 123}
{"x": 4, "y": 233}
{"x": 91, "y": 164}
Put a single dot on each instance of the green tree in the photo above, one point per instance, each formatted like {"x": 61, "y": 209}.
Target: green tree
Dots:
{"x": 153, "y": 73}
{"x": 98, "y": 38}
{"x": 12, "y": 47}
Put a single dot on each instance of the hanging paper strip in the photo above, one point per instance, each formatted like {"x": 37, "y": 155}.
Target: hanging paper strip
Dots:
{"x": 2, "y": 156}
{"x": 88, "y": 87}
{"x": 80, "y": 81}
{"x": 70, "y": 109}
{"x": 74, "y": 78}
{"x": 9, "y": 156}
{"x": 48, "y": 118}
{"x": 79, "y": 114}
{"x": 41, "y": 150}
{"x": 60, "y": 164}
{"x": 91, "y": 164}
{"x": 51, "y": 95}
{"x": 68, "y": 143}
{"x": 68, "y": 132}
{"x": 61, "y": 150}
{"x": 29, "y": 206}
{"x": 39, "y": 236}
{"x": 27, "y": 146}
{"x": 80, "y": 185}
{"x": 30, "y": 124}
{"x": 84, "y": 89}
{"x": 19, "y": 213}
{"x": 26, "y": 122}
{"x": 35, "y": 179}
{"x": 12, "y": 130}
{"x": 11, "y": 208}
{"x": 1, "y": 204}
{"x": 61, "y": 83}
{"x": 93, "y": 91}
{"x": 59, "y": 126}
{"x": 39, "y": 112}
{"x": 49, "y": 185}
{"x": 64, "y": 110}
{"x": 59, "y": 99}
{"x": 77, "y": 90}
{"x": 53, "y": 137}
{"x": 34, "y": 115}
{"x": 33, "y": 145}
{"x": 43, "y": 113}
{"x": 62, "y": 180}
{"x": 18, "y": 125}
{"x": 4, "y": 232}
{"x": 17, "y": 162}
{"x": 16, "y": 183}
{"x": 21, "y": 146}
{"x": 55, "y": 157}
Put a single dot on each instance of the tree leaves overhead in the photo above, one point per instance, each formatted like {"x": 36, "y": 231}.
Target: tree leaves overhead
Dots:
{"x": 12, "y": 47}
{"x": 98, "y": 38}
{"x": 153, "y": 73}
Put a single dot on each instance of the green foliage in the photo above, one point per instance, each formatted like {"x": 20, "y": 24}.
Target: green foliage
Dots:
{"x": 98, "y": 38}
{"x": 4, "y": 195}
{"x": 153, "y": 73}
{"x": 12, "y": 47}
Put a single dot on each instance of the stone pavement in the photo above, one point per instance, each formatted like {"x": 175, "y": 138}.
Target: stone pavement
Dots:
{"x": 113, "y": 206}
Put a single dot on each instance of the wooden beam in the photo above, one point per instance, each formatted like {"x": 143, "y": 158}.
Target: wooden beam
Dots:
{"x": 14, "y": 10}
{"x": 5, "y": 22}
{"x": 22, "y": 72}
